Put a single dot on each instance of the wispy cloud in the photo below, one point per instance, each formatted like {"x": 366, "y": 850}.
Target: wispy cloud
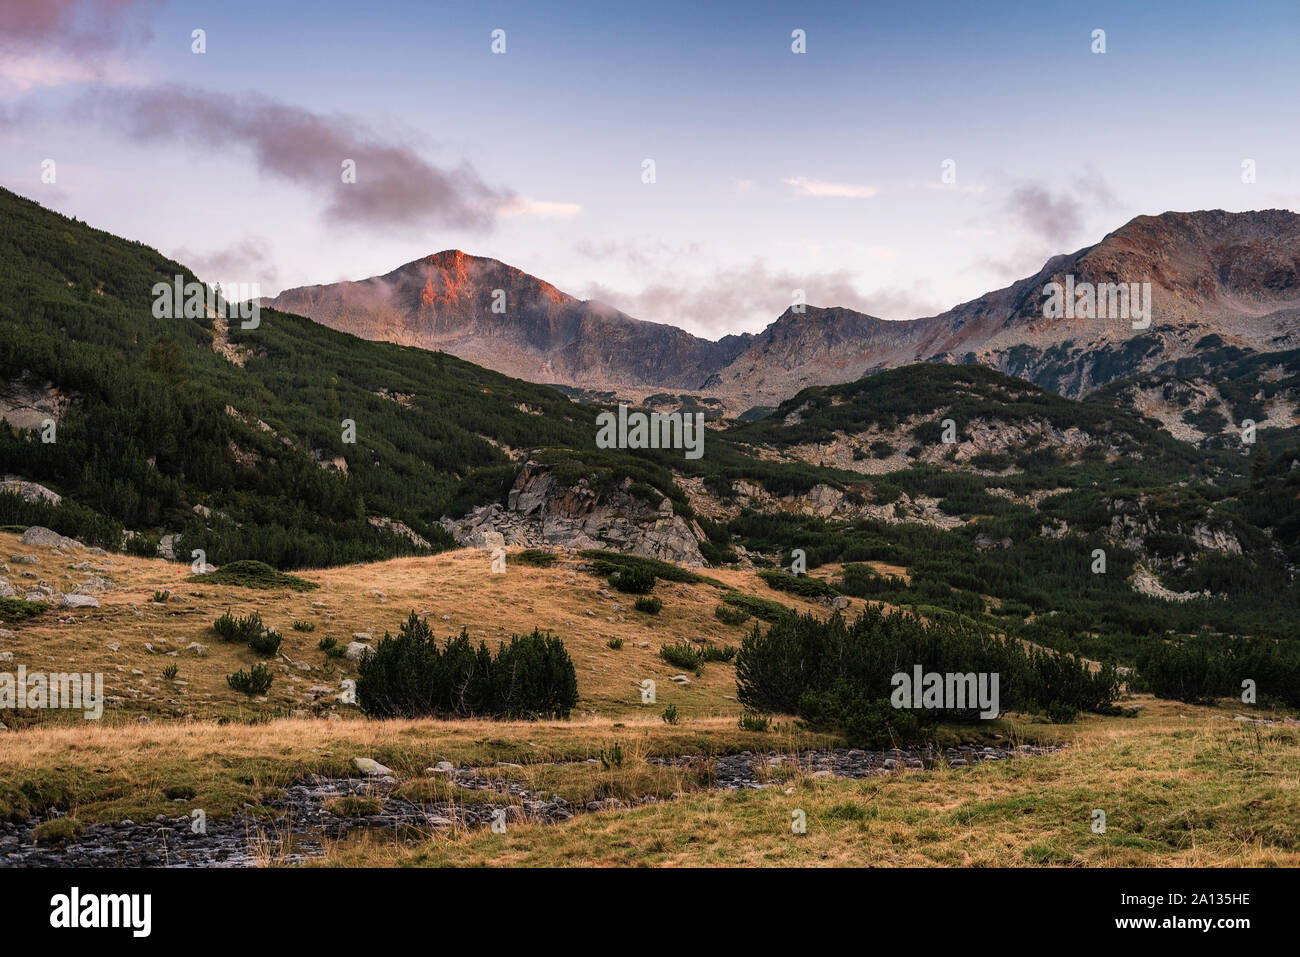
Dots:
{"x": 821, "y": 189}
{"x": 394, "y": 187}
{"x": 538, "y": 209}
{"x": 750, "y": 296}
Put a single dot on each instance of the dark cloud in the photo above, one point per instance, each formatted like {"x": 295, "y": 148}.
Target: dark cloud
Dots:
{"x": 394, "y": 187}
{"x": 85, "y": 26}
{"x": 1059, "y": 217}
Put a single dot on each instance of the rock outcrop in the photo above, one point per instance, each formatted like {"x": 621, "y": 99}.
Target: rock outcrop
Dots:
{"x": 540, "y": 510}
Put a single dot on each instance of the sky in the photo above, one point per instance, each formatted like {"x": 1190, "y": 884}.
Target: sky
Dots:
{"x": 774, "y": 170}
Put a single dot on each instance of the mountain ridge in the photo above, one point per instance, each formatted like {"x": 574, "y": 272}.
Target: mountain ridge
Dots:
{"x": 1212, "y": 272}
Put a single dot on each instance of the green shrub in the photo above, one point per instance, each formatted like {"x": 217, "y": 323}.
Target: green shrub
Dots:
{"x": 257, "y": 680}
{"x": 712, "y": 652}
{"x": 615, "y": 643}
{"x": 804, "y": 586}
{"x": 682, "y": 655}
{"x": 838, "y": 675}
{"x": 408, "y": 675}
{"x": 651, "y": 606}
{"x": 242, "y": 630}
{"x": 612, "y": 758}
{"x": 18, "y": 609}
{"x": 304, "y": 626}
{"x": 670, "y": 715}
{"x": 535, "y": 556}
{"x": 266, "y": 642}
{"x": 605, "y": 563}
{"x": 763, "y": 608}
{"x": 632, "y": 581}
{"x": 753, "y": 721}
{"x": 161, "y": 596}
{"x": 1199, "y": 670}
{"x": 730, "y": 616}
{"x": 253, "y": 574}
{"x": 170, "y": 672}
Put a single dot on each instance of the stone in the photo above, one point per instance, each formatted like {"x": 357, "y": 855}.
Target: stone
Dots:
{"x": 93, "y": 586}
{"x": 197, "y": 648}
{"x": 680, "y": 679}
{"x": 79, "y": 601}
{"x": 371, "y": 766}
{"x": 24, "y": 559}
{"x": 356, "y": 649}
{"x": 29, "y": 492}
{"x": 6, "y": 656}
{"x": 442, "y": 767}
{"x": 6, "y": 590}
{"x": 39, "y": 535}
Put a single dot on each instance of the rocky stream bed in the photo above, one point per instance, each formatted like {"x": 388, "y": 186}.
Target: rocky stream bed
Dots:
{"x": 298, "y": 826}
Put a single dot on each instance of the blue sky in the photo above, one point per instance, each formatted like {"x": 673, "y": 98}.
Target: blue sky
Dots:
{"x": 774, "y": 170}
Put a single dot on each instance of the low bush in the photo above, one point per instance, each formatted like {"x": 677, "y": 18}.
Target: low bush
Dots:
{"x": 682, "y": 655}
{"x": 252, "y": 574}
{"x": 242, "y": 630}
{"x": 257, "y": 680}
{"x": 18, "y": 609}
{"x": 408, "y": 675}
{"x": 536, "y": 557}
{"x": 838, "y": 675}
{"x": 632, "y": 581}
{"x": 730, "y": 616}
{"x": 805, "y": 586}
{"x": 762, "y": 608}
{"x": 651, "y": 606}
{"x": 266, "y": 642}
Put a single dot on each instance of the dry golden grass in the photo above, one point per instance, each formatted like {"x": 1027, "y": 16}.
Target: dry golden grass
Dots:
{"x": 1180, "y": 786}
{"x": 453, "y": 589}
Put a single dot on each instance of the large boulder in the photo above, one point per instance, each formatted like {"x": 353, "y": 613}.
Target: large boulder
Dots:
{"x": 39, "y": 535}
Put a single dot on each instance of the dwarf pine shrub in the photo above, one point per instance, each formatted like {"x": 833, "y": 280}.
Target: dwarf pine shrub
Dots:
{"x": 838, "y": 675}
{"x": 409, "y": 675}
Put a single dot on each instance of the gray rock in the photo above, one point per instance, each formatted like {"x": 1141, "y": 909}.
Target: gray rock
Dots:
{"x": 79, "y": 601}
{"x": 356, "y": 649}
{"x": 39, "y": 535}
{"x": 371, "y": 766}
{"x": 94, "y": 586}
{"x": 24, "y": 559}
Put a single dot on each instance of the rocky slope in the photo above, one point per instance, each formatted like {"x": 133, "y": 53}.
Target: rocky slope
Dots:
{"x": 495, "y": 315}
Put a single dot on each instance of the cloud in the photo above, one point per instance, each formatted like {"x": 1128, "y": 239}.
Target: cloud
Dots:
{"x": 750, "y": 296}
{"x": 538, "y": 209}
{"x": 822, "y": 189}
{"x": 1059, "y": 217}
{"x": 246, "y": 261}
{"x": 394, "y": 187}
{"x": 84, "y": 26}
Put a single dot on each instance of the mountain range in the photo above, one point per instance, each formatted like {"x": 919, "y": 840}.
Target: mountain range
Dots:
{"x": 1217, "y": 280}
